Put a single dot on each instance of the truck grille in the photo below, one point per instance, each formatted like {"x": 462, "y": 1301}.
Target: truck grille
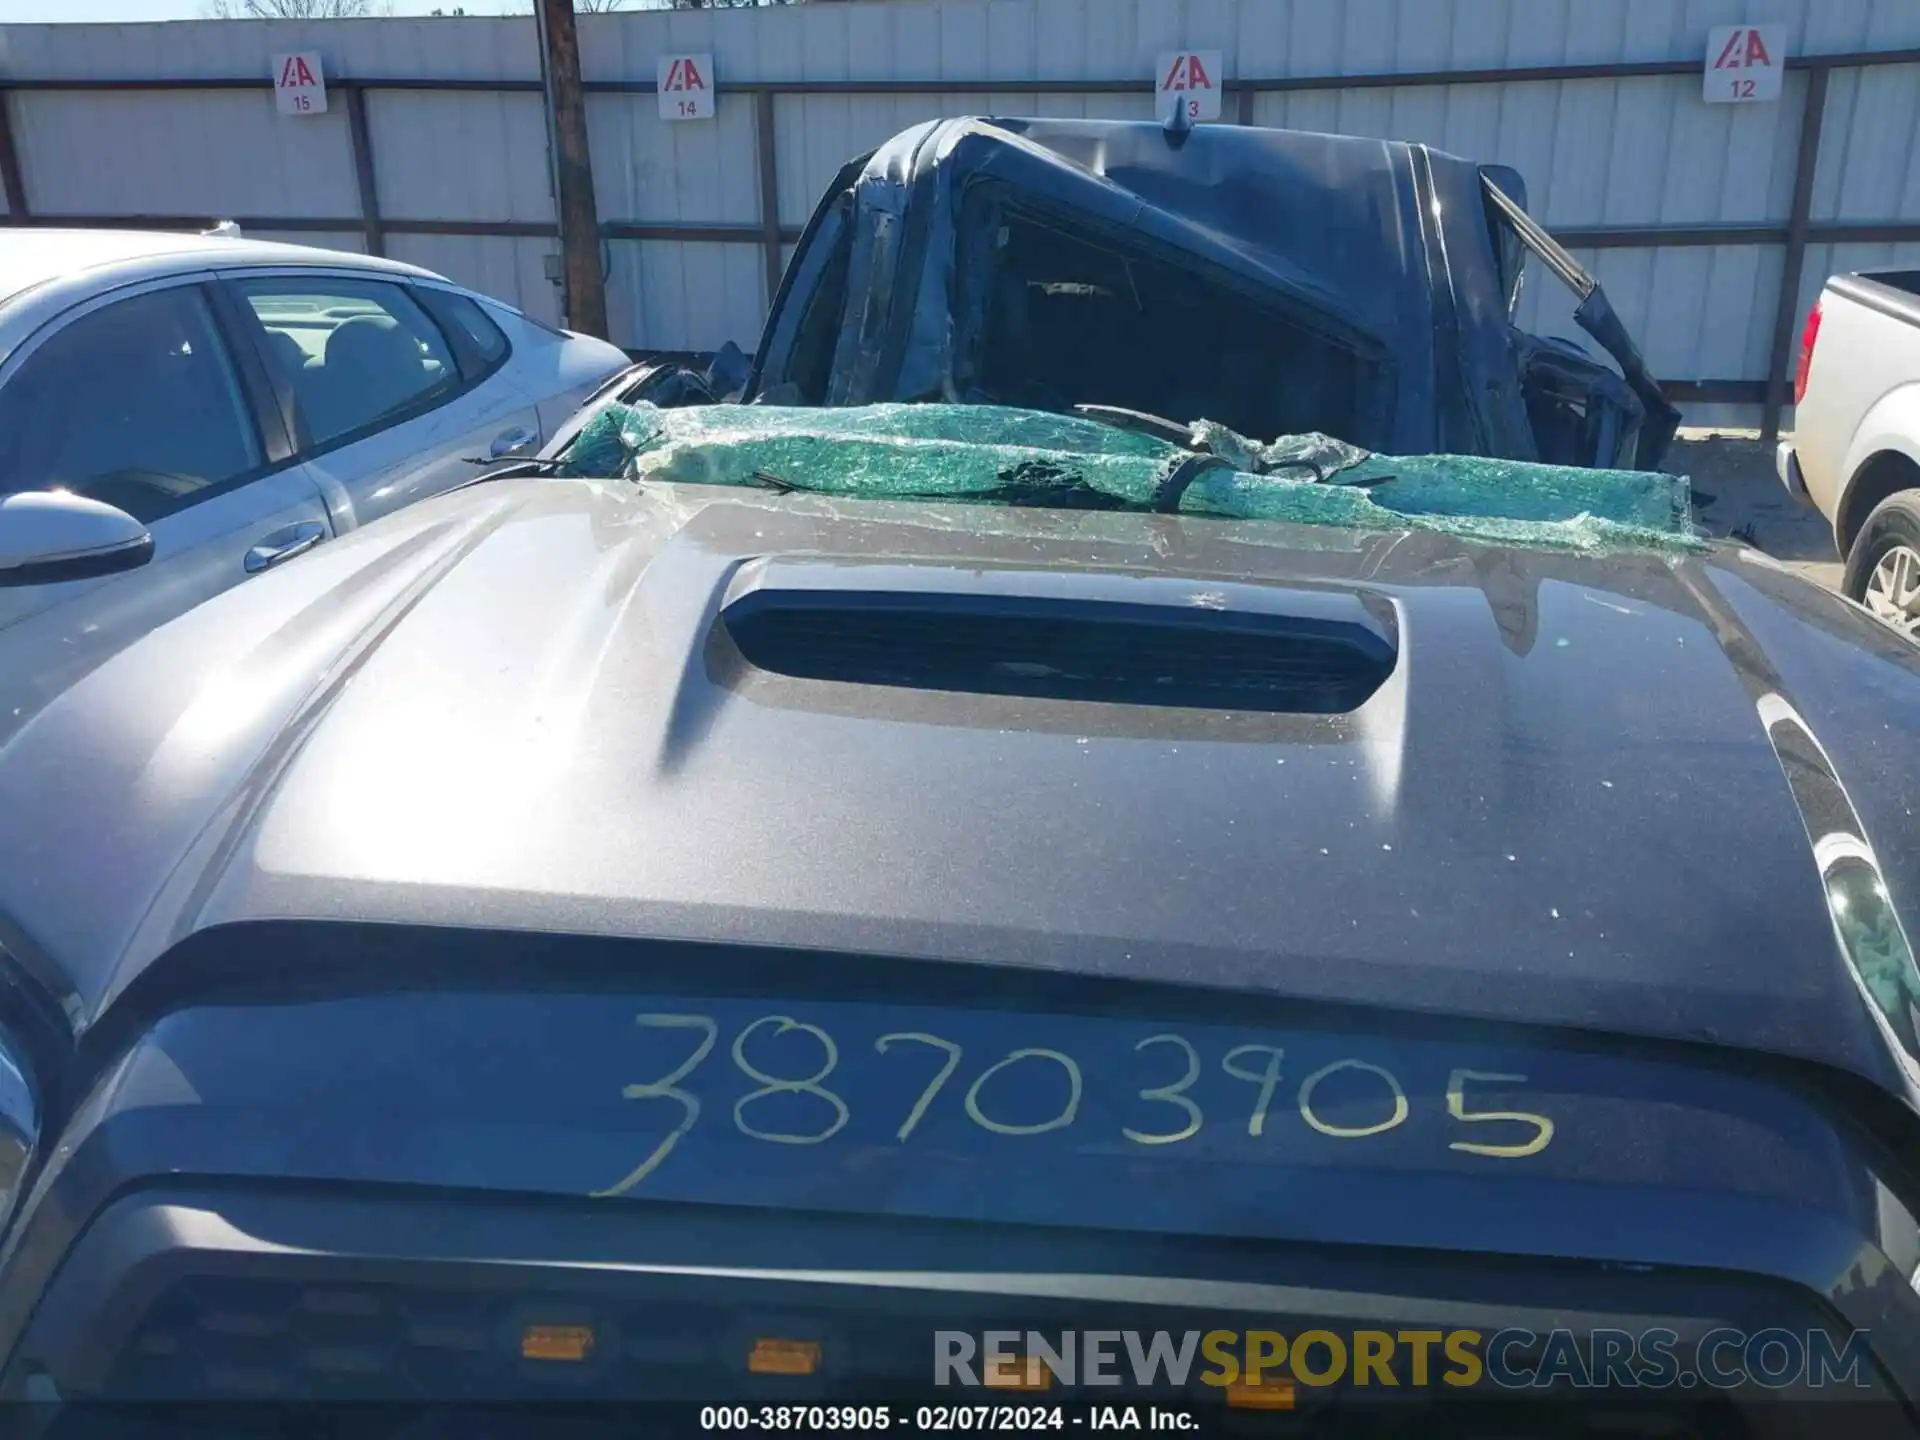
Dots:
{"x": 231, "y": 1339}
{"x": 423, "y": 1349}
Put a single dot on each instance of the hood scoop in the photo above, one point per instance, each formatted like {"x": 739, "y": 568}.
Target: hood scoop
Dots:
{"x": 1094, "y": 638}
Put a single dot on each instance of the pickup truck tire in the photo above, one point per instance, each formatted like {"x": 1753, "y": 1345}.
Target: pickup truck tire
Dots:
{"x": 1883, "y": 568}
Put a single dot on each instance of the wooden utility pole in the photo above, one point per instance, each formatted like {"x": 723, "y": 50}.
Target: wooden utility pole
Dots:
{"x": 584, "y": 284}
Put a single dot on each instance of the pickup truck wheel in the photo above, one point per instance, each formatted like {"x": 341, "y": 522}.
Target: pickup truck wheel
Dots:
{"x": 1883, "y": 570}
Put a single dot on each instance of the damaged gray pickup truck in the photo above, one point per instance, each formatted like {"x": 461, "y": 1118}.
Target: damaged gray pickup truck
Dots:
{"x": 1278, "y": 282}
{"x": 703, "y": 927}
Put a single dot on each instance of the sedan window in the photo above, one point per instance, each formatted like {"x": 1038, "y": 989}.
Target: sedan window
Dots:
{"x": 136, "y": 404}
{"x": 356, "y": 354}
{"x": 470, "y": 329}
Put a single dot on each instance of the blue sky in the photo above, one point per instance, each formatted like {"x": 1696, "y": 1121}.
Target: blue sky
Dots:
{"x": 109, "y": 11}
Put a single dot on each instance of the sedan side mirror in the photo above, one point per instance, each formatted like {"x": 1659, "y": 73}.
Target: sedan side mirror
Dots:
{"x": 51, "y": 535}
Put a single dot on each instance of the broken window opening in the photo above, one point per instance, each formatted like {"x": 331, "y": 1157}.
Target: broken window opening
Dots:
{"x": 1069, "y": 318}
{"x": 813, "y": 347}
{"x": 801, "y": 349}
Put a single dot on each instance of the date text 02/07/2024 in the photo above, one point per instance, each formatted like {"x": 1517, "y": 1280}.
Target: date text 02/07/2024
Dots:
{"x": 945, "y": 1419}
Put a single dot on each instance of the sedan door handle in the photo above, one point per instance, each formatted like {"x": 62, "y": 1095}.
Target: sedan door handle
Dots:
{"x": 516, "y": 441}
{"x": 284, "y": 544}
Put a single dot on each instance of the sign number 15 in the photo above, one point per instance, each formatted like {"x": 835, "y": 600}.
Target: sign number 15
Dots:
{"x": 299, "y": 84}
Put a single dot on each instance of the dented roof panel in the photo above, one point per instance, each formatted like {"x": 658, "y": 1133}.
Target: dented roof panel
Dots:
{"x": 1383, "y": 246}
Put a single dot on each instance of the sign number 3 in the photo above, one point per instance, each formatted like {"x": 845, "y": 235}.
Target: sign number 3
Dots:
{"x": 1190, "y": 80}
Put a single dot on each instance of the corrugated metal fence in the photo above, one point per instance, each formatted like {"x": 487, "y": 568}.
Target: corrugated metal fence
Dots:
{"x": 1700, "y": 219}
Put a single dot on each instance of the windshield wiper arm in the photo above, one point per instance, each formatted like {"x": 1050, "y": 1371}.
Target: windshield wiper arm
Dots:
{"x": 1172, "y": 488}
{"x": 531, "y": 465}
{"x": 1140, "y": 423}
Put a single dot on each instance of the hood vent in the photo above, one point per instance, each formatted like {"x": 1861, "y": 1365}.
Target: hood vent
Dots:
{"x": 1201, "y": 653}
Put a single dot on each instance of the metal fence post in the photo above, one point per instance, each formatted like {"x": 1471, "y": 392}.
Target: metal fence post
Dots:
{"x": 10, "y": 176}
{"x": 362, "y": 141}
{"x": 763, "y": 138}
{"x": 1780, "y": 352}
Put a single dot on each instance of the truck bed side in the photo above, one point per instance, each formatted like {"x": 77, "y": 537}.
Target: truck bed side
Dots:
{"x": 1862, "y": 399}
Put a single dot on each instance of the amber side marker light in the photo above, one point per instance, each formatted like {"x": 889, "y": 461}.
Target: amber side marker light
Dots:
{"x": 783, "y": 1357}
{"x": 1018, "y": 1374}
{"x": 1261, "y": 1395}
{"x": 570, "y": 1343}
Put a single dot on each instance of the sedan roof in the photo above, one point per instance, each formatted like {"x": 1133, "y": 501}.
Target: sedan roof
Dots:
{"x": 44, "y": 273}
{"x": 31, "y": 257}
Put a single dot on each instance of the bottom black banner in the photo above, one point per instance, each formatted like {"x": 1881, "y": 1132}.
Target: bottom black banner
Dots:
{"x": 1383, "y": 1419}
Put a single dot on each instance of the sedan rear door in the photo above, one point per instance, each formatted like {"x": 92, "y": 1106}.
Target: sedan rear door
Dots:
{"x": 392, "y": 392}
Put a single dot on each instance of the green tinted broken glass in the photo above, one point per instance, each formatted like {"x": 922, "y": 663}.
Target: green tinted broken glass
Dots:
{"x": 991, "y": 454}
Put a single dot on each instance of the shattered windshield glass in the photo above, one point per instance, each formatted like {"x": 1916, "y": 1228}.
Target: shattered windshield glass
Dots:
{"x": 996, "y": 455}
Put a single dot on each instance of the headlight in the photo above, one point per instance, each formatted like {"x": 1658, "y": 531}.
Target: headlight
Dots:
{"x": 19, "y": 1127}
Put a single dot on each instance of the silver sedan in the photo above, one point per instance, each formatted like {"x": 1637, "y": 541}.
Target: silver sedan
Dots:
{"x": 179, "y": 412}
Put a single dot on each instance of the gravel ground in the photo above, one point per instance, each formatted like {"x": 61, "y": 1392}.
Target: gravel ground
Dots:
{"x": 1736, "y": 492}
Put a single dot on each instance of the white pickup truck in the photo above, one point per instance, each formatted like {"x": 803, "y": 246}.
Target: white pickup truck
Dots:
{"x": 1855, "y": 450}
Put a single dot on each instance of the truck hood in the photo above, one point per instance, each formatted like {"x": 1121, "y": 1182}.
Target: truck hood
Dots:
{"x": 1603, "y": 792}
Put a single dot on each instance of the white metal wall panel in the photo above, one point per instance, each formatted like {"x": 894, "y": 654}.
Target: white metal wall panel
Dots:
{"x": 1869, "y": 168}
{"x": 485, "y": 48}
{"x": 1697, "y": 311}
{"x": 351, "y": 240}
{"x": 648, "y": 169}
{"x": 444, "y": 155}
{"x": 510, "y": 267}
{"x": 684, "y": 295}
{"x": 491, "y": 48}
{"x": 179, "y": 152}
{"x": 1595, "y": 152}
{"x": 1006, "y": 39}
{"x": 1639, "y": 151}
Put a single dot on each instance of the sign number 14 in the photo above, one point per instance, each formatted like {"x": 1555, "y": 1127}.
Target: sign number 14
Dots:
{"x": 685, "y": 86}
